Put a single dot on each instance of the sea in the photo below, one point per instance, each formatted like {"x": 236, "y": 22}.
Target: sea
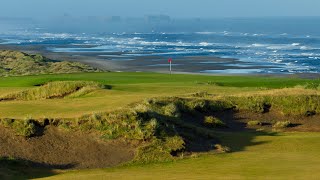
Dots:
{"x": 289, "y": 45}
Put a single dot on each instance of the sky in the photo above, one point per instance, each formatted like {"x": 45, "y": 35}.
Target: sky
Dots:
{"x": 173, "y": 8}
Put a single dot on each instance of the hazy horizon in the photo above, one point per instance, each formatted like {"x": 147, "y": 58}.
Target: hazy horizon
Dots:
{"x": 172, "y": 8}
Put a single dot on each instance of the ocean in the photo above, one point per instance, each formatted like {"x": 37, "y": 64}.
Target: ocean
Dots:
{"x": 284, "y": 45}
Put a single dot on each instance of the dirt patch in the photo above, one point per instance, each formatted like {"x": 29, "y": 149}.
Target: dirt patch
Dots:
{"x": 64, "y": 150}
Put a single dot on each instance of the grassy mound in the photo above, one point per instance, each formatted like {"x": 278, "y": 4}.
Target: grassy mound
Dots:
{"x": 166, "y": 128}
{"x": 58, "y": 89}
{"x": 160, "y": 125}
{"x": 14, "y": 63}
{"x": 293, "y": 105}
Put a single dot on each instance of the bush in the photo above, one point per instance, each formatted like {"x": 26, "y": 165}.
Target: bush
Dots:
{"x": 174, "y": 143}
{"x": 282, "y": 124}
{"x": 26, "y": 128}
{"x": 254, "y": 123}
{"x": 7, "y": 122}
{"x": 150, "y": 129}
{"x": 171, "y": 110}
{"x": 213, "y": 122}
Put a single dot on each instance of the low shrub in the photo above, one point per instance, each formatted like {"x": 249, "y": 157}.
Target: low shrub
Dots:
{"x": 174, "y": 143}
{"x": 213, "y": 122}
{"x": 282, "y": 124}
{"x": 26, "y": 128}
{"x": 171, "y": 110}
{"x": 7, "y": 122}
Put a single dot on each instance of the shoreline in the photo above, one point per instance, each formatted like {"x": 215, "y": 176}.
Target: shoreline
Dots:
{"x": 200, "y": 65}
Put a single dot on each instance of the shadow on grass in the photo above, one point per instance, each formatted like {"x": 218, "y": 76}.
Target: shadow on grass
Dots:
{"x": 238, "y": 141}
{"x": 200, "y": 138}
{"x": 238, "y": 136}
{"x": 25, "y": 169}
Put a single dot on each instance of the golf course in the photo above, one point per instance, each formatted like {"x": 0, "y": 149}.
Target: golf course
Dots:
{"x": 159, "y": 126}
{"x": 160, "y": 90}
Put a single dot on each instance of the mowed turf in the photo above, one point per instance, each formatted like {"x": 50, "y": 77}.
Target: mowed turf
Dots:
{"x": 256, "y": 156}
{"x": 127, "y": 88}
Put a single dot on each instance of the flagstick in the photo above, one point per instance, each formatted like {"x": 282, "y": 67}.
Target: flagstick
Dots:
{"x": 170, "y": 68}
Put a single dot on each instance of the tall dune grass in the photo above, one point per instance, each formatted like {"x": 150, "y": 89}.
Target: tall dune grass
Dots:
{"x": 58, "y": 89}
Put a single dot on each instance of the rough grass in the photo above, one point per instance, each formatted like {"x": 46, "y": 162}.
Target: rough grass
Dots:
{"x": 53, "y": 90}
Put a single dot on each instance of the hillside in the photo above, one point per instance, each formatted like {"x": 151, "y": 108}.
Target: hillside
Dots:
{"x": 14, "y": 63}
{"x": 61, "y": 125}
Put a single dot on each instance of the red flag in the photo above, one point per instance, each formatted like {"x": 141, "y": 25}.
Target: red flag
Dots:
{"x": 170, "y": 60}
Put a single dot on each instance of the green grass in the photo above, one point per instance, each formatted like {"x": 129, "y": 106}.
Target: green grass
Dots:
{"x": 268, "y": 156}
{"x": 156, "y": 78}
